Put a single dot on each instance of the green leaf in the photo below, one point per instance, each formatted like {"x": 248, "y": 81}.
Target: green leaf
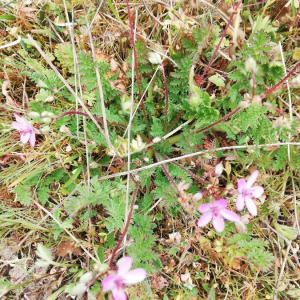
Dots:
{"x": 217, "y": 80}
{"x": 24, "y": 194}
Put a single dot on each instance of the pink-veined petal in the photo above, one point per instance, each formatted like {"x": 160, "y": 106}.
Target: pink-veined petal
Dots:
{"x": 252, "y": 179}
{"x": 124, "y": 264}
{"x": 119, "y": 294}
{"x": 241, "y": 185}
{"x": 240, "y": 202}
{"x": 229, "y": 215}
{"x": 221, "y": 203}
{"x": 20, "y": 120}
{"x": 251, "y": 206}
{"x": 109, "y": 282}
{"x": 204, "y": 219}
{"x": 25, "y": 137}
{"x": 218, "y": 223}
{"x": 203, "y": 208}
{"x": 17, "y": 126}
{"x": 32, "y": 139}
{"x": 256, "y": 191}
{"x": 134, "y": 276}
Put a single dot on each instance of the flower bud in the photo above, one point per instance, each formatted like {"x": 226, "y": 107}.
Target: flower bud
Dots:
{"x": 45, "y": 129}
{"x": 49, "y": 99}
{"x": 198, "y": 196}
{"x": 100, "y": 268}
{"x": 256, "y": 100}
{"x": 34, "y": 115}
{"x": 219, "y": 169}
{"x": 86, "y": 277}
{"x": 250, "y": 65}
{"x": 155, "y": 58}
{"x": 78, "y": 289}
{"x": 47, "y": 120}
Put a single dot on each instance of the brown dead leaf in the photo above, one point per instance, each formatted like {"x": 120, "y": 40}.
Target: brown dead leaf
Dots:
{"x": 159, "y": 282}
{"x": 68, "y": 247}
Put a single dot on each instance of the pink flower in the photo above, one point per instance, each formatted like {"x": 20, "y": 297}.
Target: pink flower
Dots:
{"x": 217, "y": 212}
{"x": 26, "y": 130}
{"x": 124, "y": 276}
{"x": 247, "y": 193}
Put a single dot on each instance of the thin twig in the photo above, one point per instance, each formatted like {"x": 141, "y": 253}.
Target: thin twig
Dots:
{"x": 66, "y": 230}
{"x": 99, "y": 82}
{"x": 195, "y": 154}
{"x": 136, "y": 64}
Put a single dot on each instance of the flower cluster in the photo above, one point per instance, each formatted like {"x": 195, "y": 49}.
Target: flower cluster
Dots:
{"x": 218, "y": 211}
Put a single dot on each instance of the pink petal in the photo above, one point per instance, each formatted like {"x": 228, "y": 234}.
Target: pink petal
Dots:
{"x": 252, "y": 179}
{"x": 204, "y": 219}
{"x": 251, "y": 206}
{"x": 229, "y": 215}
{"x": 20, "y": 120}
{"x": 256, "y": 191}
{"x": 241, "y": 185}
{"x": 203, "y": 208}
{"x": 124, "y": 264}
{"x": 218, "y": 223}
{"x": 240, "y": 202}
{"x": 109, "y": 282}
{"x": 17, "y": 126}
{"x": 25, "y": 137}
{"x": 32, "y": 139}
{"x": 221, "y": 203}
{"x": 119, "y": 294}
{"x": 134, "y": 276}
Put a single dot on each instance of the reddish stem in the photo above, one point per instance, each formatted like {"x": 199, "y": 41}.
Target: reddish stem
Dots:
{"x": 273, "y": 107}
{"x": 135, "y": 62}
{"x": 219, "y": 44}
{"x": 175, "y": 120}
{"x": 273, "y": 88}
{"x": 190, "y": 173}
{"x": 171, "y": 179}
{"x": 125, "y": 230}
{"x": 219, "y": 121}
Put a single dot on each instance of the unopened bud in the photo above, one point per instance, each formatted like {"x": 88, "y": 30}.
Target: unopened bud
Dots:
{"x": 34, "y": 115}
{"x": 198, "y": 196}
{"x": 101, "y": 268}
{"x": 47, "y": 120}
{"x": 155, "y": 58}
{"x": 219, "y": 169}
{"x": 256, "y": 100}
{"x": 250, "y": 65}
{"x": 78, "y": 289}
{"x": 244, "y": 104}
{"x": 49, "y": 99}
{"x": 45, "y": 129}
{"x": 86, "y": 277}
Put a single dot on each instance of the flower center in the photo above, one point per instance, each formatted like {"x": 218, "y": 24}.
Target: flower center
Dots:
{"x": 215, "y": 212}
{"x": 119, "y": 283}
